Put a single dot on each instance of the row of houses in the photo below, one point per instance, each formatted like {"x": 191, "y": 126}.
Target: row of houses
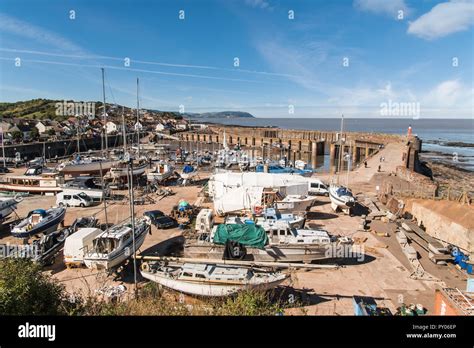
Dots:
{"x": 23, "y": 130}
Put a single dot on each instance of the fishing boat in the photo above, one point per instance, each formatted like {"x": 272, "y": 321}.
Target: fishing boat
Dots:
{"x": 86, "y": 165}
{"x": 7, "y": 206}
{"x": 115, "y": 245}
{"x": 341, "y": 198}
{"x": 39, "y": 221}
{"x": 161, "y": 172}
{"x": 210, "y": 279}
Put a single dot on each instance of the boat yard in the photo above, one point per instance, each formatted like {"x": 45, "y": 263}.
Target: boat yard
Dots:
{"x": 379, "y": 267}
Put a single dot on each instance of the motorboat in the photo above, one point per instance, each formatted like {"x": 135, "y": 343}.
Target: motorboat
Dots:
{"x": 278, "y": 169}
{"x": 115, "y": 245}
{"x": 31, "y": 184}
{"x": 122, "y": 170}
{"x": 341, "y": 198}
{"x": 281, "y": 243}
{"x": 210, "y": 279}
{"x": 7, "y": 206}
{"x": 161, "y": 172}
{"x": 39, "y": 221}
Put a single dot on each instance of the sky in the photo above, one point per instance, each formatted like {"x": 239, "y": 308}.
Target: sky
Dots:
{"x": 272, "y": 58}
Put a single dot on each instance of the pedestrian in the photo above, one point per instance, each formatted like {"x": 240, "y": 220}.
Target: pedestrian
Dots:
{"x": 380, "y": 167}
{"x": 365, "y": 164}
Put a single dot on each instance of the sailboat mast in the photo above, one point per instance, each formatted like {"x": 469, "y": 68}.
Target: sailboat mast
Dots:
{"x": 138, "y": 120}
{"x": 340, "y": 145}
{"x": 124, "y": 131}
{"x": 104, "y": 111}
{"x": 132, "y": 217}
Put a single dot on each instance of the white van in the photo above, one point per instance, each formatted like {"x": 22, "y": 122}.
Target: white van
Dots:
{"x": 78, "y": 244}
{"x": 317, "y": 187}
{"x": 66, "y": 199}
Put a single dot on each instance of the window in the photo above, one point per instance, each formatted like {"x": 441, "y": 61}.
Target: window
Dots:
{"x": 282, "y": 232}
{"x": 75, "y": 197}
{"x": 67, "y": 197}
{"x": 314, "y": 185}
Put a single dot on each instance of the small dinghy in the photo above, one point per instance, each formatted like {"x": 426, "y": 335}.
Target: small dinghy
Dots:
{"x": 209, "y": 279}
{"x": 115, "y": 245}
{"x": 39, "y": 221}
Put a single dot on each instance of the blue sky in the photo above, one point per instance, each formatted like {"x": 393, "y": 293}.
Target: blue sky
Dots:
{"x": 285, "y": 64}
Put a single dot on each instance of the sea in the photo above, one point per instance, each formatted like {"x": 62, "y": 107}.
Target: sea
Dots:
{"x": 446, "y": 140}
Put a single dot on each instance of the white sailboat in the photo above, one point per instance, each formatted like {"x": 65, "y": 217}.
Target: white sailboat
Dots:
{"x": 210, "y": 280}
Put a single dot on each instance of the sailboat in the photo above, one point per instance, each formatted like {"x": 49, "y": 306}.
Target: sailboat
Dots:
{"x": 90, "y": 164}
{"x": 210, "y": 279}
{"x": 341, "y": 197}
{"x": 121, "y": 168}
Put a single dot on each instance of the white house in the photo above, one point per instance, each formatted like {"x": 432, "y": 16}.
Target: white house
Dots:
{"x": 159, "y": 127}
{"x": 44, "y": 126}
{"x": 111, "y": 127}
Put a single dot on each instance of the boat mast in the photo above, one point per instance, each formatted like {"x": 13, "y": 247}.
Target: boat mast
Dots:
{"x": 138, "y": 120}
{"x": 124, "y": 131}
{"x": 3, "y": 146}
{"x": 340, "y": 149}
{"x": 104, "y": 113}
{"x": 77, "y": 131}
{"x": 132, "y": 217}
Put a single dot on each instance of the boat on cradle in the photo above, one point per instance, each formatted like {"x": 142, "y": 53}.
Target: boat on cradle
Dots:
{"x": 188, "y": 172}
{"x": 121, "y": 170}
{"x": 45, "y": 249}
{"x": 39, "y": 221}
{"x": 341, "y": 198}
{"x": 86, "y": 165}
{"x": 115, "y": 245}
{"x": 161, "y": 172}
{"x": 210, "y": 280}
{"x": 280, "y": 244}
{"x": 7, "y": 206}
{"x": 44, "y": 184}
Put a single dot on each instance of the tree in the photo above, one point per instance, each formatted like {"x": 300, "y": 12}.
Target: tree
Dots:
{"x": 25, "y": 290}
{"x": 34, "y": 133}
{"x": 17, "y": 135}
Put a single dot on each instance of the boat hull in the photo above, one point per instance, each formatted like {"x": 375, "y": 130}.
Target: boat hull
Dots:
{"x": 88, "y": 168}
{"x": 46, "y": 228}
{"x": 112, "y": 260}
{"x": 283, "y": 253}
{"x": 208, "y": 289}
{"x": 124, "y": 172}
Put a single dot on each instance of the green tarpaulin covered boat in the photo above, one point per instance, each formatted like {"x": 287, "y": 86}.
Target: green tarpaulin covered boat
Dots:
{"x": 246, "y": 234}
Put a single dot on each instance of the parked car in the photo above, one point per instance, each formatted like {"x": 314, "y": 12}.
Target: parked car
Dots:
{"x": 317, "y": 187}
{"x": 73, "y": 200}
{"x": 152, "y": 215}
{"x": 165, "y": 222}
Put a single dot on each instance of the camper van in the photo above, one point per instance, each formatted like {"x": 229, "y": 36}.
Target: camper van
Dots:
{"x": 204, "y": 221}
{"x": 66, "y": 199}
{"x": 317, "y": 187}
{"x": 78, "y": 244}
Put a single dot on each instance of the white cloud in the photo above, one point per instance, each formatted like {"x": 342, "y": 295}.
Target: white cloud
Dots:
{"x": 444, "y": 19}
{"x": 388, "y": 7}
{"x": 448, "y": 94}
{"x": 20, "y": 28}
{"x": 259, "y": 4}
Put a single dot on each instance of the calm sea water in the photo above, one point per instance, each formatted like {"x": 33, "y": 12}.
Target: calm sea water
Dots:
{"x": 429, "y": 130}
